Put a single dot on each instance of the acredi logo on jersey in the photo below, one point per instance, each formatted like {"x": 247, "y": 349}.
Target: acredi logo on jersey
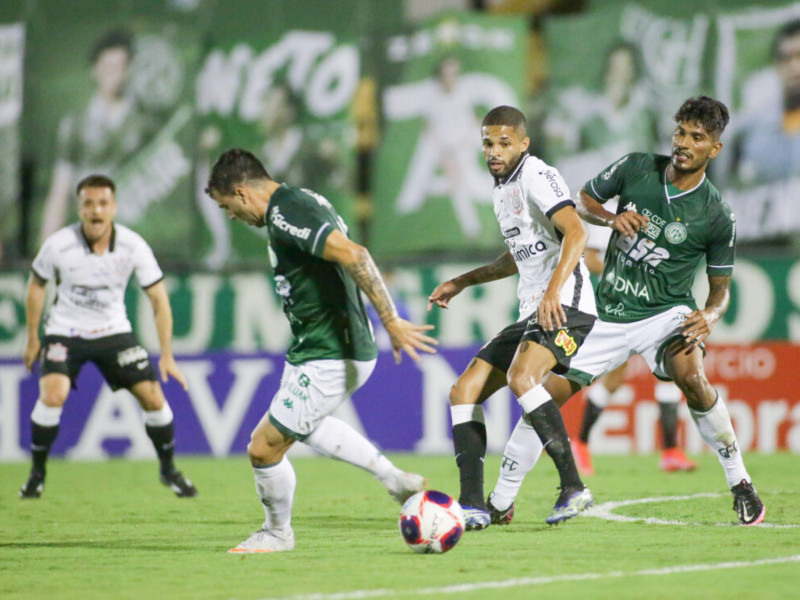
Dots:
{"x": 279, "y": 221}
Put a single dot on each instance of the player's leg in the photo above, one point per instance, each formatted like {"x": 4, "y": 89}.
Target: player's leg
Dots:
{"x": 684, "y": 364}
{"x": 522, "y": 452}
{"x": 668, "y": 396}
{"x": 598, "y": 396}
{"x": 478, "y": 381}
{"x": 336, "y": 439}
{"x": 45, "y": 420}
{"x": 160, "y": 427}
{"x": 531, "y": 363}
{"x": 275, "y": 485}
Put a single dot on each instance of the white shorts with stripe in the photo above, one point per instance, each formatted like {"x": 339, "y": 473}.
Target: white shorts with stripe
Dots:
{"x": 311, "y": 391}
{"x": 608, "y": 345}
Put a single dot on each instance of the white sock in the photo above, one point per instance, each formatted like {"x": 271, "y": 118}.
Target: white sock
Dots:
{"x": 275, "y": 486}
{"x": 534, "y": 398}
{"x": 522, "y": 451}
{"x": 336, "y": 439}
{"x": 716, "y": 429}
{"x": 46, "y": 416}
{"x": 667, "y": 392}
{"x": 158, "y": 418}
{"x": 464, "y": 413}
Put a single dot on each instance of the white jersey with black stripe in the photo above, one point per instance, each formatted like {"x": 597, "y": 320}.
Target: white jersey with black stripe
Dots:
{"x": 524, "y": 202}
{"x": 90, "y": 287}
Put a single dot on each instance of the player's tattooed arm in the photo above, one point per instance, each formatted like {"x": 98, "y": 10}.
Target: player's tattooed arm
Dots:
{"x": 698, "y": 324}
{"x": 501, "y": 267}
{"x": 357, "y": 262}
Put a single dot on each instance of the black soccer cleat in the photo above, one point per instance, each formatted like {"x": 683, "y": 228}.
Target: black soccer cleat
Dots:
{"x": 500, "y": 517}
{"x": 747, "y": 504}
{"x": 34, "y": 487}
{"x": 182, "y": 487}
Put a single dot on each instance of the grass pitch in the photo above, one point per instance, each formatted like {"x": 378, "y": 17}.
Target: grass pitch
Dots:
{"x": 110, "y": 530}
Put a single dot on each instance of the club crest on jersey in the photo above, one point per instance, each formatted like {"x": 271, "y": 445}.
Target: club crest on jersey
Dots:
{"x": 515, "y": 200}
{"x": 675, "y": 233}
{"x": 566, "y": 342}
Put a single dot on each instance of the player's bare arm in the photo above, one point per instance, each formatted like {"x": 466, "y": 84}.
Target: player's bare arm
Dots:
{"x": 550, "y": 313}
{"x": 357, "y": 261}
{"x": 501, "y": 267}
{"x": 162, "y": 311}
{"x": 698, "y": 324}
{"x": 627, "y": 223}
{"x": 34, "y": 303}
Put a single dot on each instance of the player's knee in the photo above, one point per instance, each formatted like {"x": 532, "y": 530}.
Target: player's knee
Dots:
{"x": 462, "y": 393}
{"x": 694, "y": 386}
{"x": 53, "y": 398}
{"x": 519, "y": 381}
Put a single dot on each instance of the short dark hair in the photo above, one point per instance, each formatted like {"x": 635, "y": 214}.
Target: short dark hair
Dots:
{"x": 790, "y": 29}
{"x": 506, "y": 115}
{"x": 706, "y": 111}
{"x": 95, "y": 180}
{"x": 234, "y": 166}
{"x": 116, "y": 38}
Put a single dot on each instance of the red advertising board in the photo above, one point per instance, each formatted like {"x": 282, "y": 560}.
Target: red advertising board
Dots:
{"x": 759, "y": 383}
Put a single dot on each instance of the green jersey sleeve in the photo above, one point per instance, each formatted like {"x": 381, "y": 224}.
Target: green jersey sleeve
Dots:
{"x": 722, "y": 243}
{"x": 610, "y": 182}
{"x": 302, "y": 219}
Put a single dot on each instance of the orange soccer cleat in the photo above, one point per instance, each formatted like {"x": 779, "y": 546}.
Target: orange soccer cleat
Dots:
{"x": 673, "y": 459}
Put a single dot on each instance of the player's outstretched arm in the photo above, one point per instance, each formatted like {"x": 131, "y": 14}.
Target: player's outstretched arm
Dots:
{"x": 627, "y": 222}
{"x": 501, "y": 267}
{"x": 34, "y": 304}
{"x": 699, "y": 323}
{"x": 550, "y": 312}
{"x": 162, "y": 311}
{"x": 357, "y": 261}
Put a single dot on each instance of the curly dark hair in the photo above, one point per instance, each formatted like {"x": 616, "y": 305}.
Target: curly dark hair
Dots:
{"x": 706, "y": 111}
{"x": 234, "y": 166}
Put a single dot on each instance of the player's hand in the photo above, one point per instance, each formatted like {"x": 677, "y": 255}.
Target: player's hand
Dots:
{"x": 698, "y": 324}
{"x": 629, "y": 222}
{"x": 31, "y": 353}
{"x": 442, "y": 294}
{"x": 167, "y": 366}
{"x": 551, "y": 314}
{"x": 408, "y": 337}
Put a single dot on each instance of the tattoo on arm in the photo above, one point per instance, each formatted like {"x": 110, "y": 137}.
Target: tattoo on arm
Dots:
{"x": 366, "y": 275}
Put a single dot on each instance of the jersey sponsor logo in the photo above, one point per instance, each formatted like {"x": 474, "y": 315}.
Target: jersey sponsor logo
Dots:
{"x": 566, "y": 342}
{"x": 631, "y": 288}
{"x": 642, "y": 250}
{"x": 607, "y": 175}
{"x": 509, "y": 233}
{"x": 56, "y": 352}
{"x": 131, "y": 355}
{"x": 528, "y": 251}
{"x": 89, "y": 296}
{"x": 552, "y": 179}
{"x": 615, "y": 311}
{"x": 675, "y": 233}
{"x": 279, "y": 221}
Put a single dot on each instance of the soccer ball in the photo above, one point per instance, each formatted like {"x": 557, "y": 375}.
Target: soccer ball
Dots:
{"x": 431, "y": 522}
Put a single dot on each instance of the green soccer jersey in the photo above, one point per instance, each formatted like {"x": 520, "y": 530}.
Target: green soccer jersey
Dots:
{"x": 321, "y": 301}
{"x": 655, "y": 270}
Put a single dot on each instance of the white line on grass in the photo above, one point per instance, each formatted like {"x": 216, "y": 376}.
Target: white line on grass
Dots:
{"x": 532, "y": 581}
{"x": 605, "y": 511}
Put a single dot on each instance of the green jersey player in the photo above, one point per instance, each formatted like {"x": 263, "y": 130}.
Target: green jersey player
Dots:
{"x": 318, "y": 272}
{"x": 669, "y": 219}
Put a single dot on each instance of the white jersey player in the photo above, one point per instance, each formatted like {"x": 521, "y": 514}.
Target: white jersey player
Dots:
{"x": 90, "y": 263}
{"x": 545, "y": 239}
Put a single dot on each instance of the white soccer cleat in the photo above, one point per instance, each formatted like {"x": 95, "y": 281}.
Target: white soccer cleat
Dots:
{"x": 570, "y": 504}
{"x": 404, "y": 485}
{"x": 263, "y": 541}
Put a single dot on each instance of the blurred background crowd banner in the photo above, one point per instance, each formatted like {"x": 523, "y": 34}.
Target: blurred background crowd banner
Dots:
{"x": 377, "y": 105}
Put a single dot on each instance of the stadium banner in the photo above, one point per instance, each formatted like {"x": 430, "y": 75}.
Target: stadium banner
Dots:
{"x": 12, "y": 51}
{"x": 402, "y": 407}
{"x": 431, "y": 188}
{"x": 240, "y": 312}
{"x": 113, "y": 94}
{"x": 619, "y": 71}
